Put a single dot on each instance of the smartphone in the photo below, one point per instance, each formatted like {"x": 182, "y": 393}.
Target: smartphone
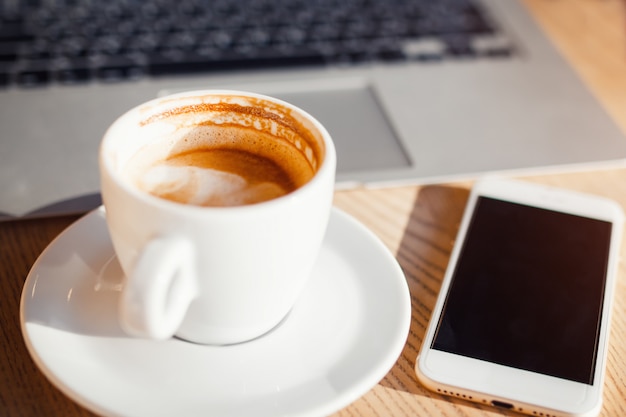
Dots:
{"x": 522, "y": 318}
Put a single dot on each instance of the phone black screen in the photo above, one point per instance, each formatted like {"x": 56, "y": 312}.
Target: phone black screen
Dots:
{"x": 528, "y": 289}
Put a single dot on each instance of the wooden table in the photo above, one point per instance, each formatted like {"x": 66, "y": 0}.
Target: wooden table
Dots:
{"x": 416, "y": 223}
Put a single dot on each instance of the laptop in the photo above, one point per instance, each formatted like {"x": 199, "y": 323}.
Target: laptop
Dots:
{"x": 412, "y": 91}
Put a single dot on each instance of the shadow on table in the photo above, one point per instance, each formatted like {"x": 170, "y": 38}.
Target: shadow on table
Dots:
{"x": 423, "y": 255}
{"x": 71, "y": 206}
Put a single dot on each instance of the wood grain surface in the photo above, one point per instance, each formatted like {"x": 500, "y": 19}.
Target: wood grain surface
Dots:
{"x": 417, "y": 224}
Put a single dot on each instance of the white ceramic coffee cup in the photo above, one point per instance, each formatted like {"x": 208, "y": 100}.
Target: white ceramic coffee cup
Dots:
{"x": 215, "y": 275}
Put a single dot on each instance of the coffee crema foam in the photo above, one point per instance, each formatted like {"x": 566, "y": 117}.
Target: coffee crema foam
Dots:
{"x": 220, "y": 166}
{"x": 215, "y": 177}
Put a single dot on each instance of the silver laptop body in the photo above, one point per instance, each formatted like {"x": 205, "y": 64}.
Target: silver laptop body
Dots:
{"x": 393, "y": 123}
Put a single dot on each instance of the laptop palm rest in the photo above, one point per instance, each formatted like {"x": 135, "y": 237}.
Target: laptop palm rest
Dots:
{"x": 363, "y": 137}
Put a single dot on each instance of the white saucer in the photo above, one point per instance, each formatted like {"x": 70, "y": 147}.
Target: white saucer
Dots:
{"x": 341, "y": 338}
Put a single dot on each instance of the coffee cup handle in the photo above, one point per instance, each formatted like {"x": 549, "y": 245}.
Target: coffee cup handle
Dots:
{"x": 160, "y": 288}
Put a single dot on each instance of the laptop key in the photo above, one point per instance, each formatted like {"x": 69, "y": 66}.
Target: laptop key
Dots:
{"x": 76, "y": 73}
{"x": 9, "y": 51}
{"x": 10, "y": 31}
{"x": 32, "y": 74}
{"x": 5, "y": 76}
{"x": 188, "y": 62}
{"x": 118, "y": 68}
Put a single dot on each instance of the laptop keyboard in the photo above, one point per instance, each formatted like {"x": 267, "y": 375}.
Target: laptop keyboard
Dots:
{"x": 68, "y": 42}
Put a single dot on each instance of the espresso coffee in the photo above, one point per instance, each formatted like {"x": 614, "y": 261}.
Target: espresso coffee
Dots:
{"x": 224, "y": 164}
{"x": 216, "y": 177}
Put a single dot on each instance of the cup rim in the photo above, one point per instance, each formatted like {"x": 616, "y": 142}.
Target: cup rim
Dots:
{"x": 326, "y": 168}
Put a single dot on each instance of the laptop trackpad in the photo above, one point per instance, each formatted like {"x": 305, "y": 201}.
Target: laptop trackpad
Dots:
{"x": 363, "y": 136}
